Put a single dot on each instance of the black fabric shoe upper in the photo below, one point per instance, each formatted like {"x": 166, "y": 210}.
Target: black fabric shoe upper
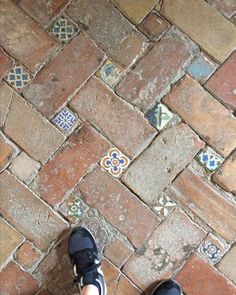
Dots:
{"x": 169, "y": 287}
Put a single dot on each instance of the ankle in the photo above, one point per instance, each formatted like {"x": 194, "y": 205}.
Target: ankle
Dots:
{"x": 90, "y": 290}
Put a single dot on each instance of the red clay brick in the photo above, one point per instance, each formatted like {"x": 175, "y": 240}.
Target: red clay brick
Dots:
{"x": 15, "y": 281}
{"x": 199, "y": 277}
{"x": 118, "y": 205}
{"x": 43, "y": 11}
{"x": 204, "y": 114}
{"x": 23, "y": 38}
{"x": 150, "y": 80}
{"x": 205, "y": 201}
{"x": 117, "y": 120}
{"x": 227, "y": 264}
{"x": 36, "y": 221}
{"x": 8, "y": 150}
{"x": 108, "y": 28}
{"x": 56, "y": 82}
{"x": 6, "y": 63}
{"x": 111, "y": 274}
{"x": 125, "y": 287}
{"x": 27, "y": 255}
{"x": 5, "y": 99}
{"x": 82, "y": 149}
{"x": 227, "y": 7}
{"x": 222, "y": 84}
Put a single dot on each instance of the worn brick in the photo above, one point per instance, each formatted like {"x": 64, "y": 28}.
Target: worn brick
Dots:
{"x": 135, "y": 10}
{"x": 10, "y": 239}
{"x": 15, "y": 281}
{"x": 27, "y": 255}
{"x": 118, "y": 205}
{"x": 34, "y": 133}
{"x": 35, "y": 220}
{"x": 43, "y": 11}
{"x": 56, "y": 82}
{"x": 5, "y": 100}
{"x": 199, "y": 277}
{"x": 206, "y": 25}
{"x": 149, "y": 81}
{"x": 6, "y": 63}
{"x": 228, "y": 264}
{"x": 111, "y": 274}
{"x": 120, "y": 121}
{"x": 119, "y": 40}
{"x": 226, "y": 175}
{"x": 8, "y": 151}
{"x": 227, "y": 7}
{"x": 193, "y": 192}
{"x": 82, "y": 149}
{"x": 124, "y": 286}
{"x": 117, "y": 252}
{"x": 191, "y": 102}
{"x": 168, "y": 245}
{"x": 23, "y": 38}
{"x": 223, "y": 83}
{"x": 169, "y": 153}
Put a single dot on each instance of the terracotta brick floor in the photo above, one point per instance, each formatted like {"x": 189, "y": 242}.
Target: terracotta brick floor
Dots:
{"x": 119, "y": 116}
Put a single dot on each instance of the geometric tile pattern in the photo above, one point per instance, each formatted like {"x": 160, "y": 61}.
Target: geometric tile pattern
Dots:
{"x": 115, "y": 162}
{"x": 164, "y": 205}
{"x": 65, "y": 119}
{"x": 210, "y": 160}
{"x": 110, "y": 72}
{"x": 63, "y": 29}
{"x": 76, "y": 209}
{"x": 18, "y": 77}
{"x": 159, "y": 116}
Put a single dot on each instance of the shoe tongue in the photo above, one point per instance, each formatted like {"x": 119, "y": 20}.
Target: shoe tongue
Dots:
{"x": 82, "y": 260}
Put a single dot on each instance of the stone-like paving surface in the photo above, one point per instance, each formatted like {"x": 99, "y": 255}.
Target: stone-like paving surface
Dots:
{"x": 120, "y": 116}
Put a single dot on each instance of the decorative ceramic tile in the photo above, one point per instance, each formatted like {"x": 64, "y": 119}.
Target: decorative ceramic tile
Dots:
{"x": 65, "y": 119}
{"x": 110, "y": 72}
{"x": 164, "y": 205}
{"x": 18, "y": 77}
{"x": 212, "y": 249}
{"x": 201, "y": 68}
{"x": 210, "y": 160}
{"x": 115, "y": 162}
{"x": 159, "y": 116}
{"x": 63, "y": 29}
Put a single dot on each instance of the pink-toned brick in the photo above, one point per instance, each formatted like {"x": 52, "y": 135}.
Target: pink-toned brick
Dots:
{"x": 5, "y": 99}
{"x": 117, "y": 120}
{"x": 64, "y": 74}
{"x": 23, "y": 38}
{"x": 126, "y": 287}
{"x": 8, "y": 151}
{"x": 227, "y": 7}
{"x": 6, "y": 63}
{"x": 27, "y": 255}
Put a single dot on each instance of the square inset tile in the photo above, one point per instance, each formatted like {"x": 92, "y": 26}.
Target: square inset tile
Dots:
{"x": 18, "y": 77}
{"x": 212, "y": 249}
{"x": 65, "y": 120}
{"x": 209, "y": 159}
{"x": 164, "y": 205}
{"x": 159, "y": 116}
{"x": 115, "y": 162}
{"x": 110, "y": 72}
{"x": 63, "y": 29}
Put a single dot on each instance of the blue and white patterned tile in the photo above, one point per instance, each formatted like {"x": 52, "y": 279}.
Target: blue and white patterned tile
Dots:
{"x": 164, "y": 205}
{"x": 115, "y": 162}
{"x": 209, "y": 159}
{"x": 63, "y": 29}
{"x": 65, "y": 120}
{"x": 18, "y": 77}
{"x": 159, "y": 116}
{"x": 110, "y": 73}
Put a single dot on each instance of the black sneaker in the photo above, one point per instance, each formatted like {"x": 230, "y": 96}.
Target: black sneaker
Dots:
{"x": 83, "y": 254}
{"x": 169, "y": 287}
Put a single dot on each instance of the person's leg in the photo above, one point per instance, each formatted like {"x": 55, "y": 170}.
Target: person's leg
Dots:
{"x": 90, "y": 290}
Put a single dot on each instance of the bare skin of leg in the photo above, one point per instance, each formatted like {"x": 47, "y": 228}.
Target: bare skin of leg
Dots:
{"x": 90, "y": 290}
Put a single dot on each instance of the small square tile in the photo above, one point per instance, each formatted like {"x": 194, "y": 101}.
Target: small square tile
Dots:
{"x": 159, "y": 116}
{"x": 115, "y": 162}
{"x": 18, "y": 77}
{"x": 212, "y": 249}
{"x": 201, "y": 68}
{"x": 110, "y": 72}
{"x": 65, "y": 120}
{"x": 209, "y": 159}
{"x": 164, "y": 205}
{"x": 63, "y": 29}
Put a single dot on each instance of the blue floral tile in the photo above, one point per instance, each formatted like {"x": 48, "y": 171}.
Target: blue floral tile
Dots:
{"x": 110, "y": 73}
{"x": 208, "y": 159}
{"x": 159, "y": 116}
{"x": 115, "y": 162}
{"x": 164, "y": 205}
{"x": 63, "y": 29}
{"x": 65, "y": 120}
{"x": 18, "y": 77}
{"x": 201, "y": 68}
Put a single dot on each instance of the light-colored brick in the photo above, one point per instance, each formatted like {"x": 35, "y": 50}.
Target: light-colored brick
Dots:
{"x": 5, "y": 99}
{"x": 8, "y": 151}
{"x": 227, "y": 7}
{"x": 228, "y": 264}
{"x": 6, "y": 63}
